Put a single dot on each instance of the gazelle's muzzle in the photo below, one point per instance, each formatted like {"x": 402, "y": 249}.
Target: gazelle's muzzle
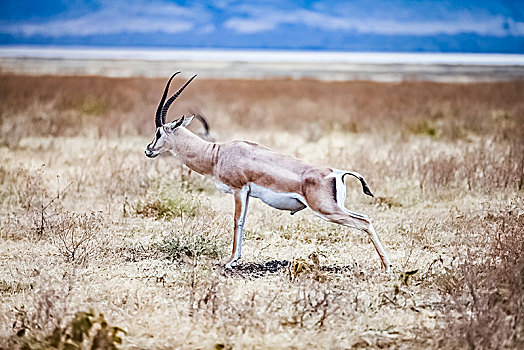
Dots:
{"x": 150, "y": 154}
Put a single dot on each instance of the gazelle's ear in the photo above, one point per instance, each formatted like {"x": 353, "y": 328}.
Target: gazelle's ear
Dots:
{"x": 187, "y": 120}
{"x": 174, "y": 124}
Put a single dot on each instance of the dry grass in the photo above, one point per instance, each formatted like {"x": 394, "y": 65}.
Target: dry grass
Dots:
{"x": 88, "y": 223}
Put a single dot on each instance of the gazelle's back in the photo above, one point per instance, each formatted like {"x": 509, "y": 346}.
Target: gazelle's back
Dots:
{"x": 266, "y": 168}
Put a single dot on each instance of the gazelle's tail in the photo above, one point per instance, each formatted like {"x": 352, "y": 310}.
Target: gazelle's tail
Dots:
{"x": 365, "y": 187}
{"x": 341, "y": 173}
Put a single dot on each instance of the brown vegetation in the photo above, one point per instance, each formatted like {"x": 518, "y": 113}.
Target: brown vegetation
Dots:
{"x": 88, "y": 223}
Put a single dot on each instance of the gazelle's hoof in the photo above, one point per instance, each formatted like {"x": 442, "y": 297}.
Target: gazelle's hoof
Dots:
{"x": 231, "y": 264}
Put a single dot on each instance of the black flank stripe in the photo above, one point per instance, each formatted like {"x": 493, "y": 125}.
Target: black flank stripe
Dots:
{"x": 334, "y": 184}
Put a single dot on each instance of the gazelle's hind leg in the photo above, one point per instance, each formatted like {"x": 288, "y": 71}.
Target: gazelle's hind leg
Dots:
{"x": 326, "y": 199}
{"x": 361, "y": 223}
{"x": 386, "y": 263}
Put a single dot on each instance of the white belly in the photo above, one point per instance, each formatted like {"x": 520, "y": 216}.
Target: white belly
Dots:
{"x": 278, "y": 200}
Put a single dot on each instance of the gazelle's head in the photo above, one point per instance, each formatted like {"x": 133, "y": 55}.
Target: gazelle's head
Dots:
{"x": 164, "y": 131}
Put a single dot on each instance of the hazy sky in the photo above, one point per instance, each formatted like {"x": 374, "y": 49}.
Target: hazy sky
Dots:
{"x": 277, "y": 24}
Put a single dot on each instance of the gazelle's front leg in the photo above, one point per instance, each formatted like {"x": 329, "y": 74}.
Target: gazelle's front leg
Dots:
{"x": 241, "y": 201}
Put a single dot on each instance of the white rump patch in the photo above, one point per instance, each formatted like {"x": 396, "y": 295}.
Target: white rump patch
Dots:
{"x": 340, "y": 188}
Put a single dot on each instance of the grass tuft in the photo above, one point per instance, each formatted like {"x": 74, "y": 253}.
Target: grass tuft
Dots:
{"x": 191, "y": 245}
{"x": 168, "y": 202}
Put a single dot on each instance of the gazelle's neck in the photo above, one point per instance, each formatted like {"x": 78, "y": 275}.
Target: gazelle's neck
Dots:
{"x": 193, "y": 151}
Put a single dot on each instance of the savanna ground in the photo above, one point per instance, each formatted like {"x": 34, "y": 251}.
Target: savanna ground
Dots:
{"x": 89, "y": 224}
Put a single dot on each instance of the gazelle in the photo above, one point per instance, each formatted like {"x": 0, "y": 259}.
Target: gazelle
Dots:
{"x": 246, "y": 169}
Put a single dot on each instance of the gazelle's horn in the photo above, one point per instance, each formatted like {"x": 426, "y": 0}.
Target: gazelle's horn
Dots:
{"x": 172, "y": 99}
{"x": 158, "y": 118}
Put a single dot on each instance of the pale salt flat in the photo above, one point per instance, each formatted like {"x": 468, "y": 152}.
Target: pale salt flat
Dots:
{"x": 253, "y": 64}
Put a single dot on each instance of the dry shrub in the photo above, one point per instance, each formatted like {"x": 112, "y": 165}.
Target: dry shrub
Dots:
{"x": 494, "y": 166}
{"x": 13, "y": 186}
{"x": 217, "y": 304}
{"x": 38, "y": 215}
{"x": 76, "y": 236}
{"x": 193, "y": 239}
{"x": 46, "y": 323}
{"x": 311, "y": 307}
{"x": 483, "y": 167}
{"x": 484, "y": 287}
{"x": 31, "y": 209}
{"x": 439, "y": 171}
{"x": 46, "y": 308}
{"x": 26, "y": 187}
